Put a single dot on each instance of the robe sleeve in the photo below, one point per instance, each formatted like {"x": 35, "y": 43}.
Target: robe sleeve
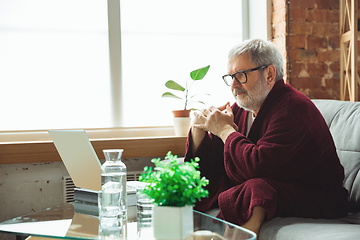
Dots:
{"x": 211, "y": 165}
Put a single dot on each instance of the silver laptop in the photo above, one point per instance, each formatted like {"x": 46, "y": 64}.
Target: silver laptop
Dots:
{"x": 79, "y": 157}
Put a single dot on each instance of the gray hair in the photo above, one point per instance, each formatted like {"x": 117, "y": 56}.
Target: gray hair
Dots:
{"x": 261, "y": 53}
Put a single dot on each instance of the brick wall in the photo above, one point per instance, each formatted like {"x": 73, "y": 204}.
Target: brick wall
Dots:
{"x": 307, "y": 33}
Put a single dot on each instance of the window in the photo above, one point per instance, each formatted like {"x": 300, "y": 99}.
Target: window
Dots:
{"x": 54, "y": 61}
{"x": 54, "y": 66}
{"x": 165, "y": 40}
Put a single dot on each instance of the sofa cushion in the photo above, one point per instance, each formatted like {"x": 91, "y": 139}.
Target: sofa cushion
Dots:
{"x": 343, "y": 119}
{"x": 309, "y": 228}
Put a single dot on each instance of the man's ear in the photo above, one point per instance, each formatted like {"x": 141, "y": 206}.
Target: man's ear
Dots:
{"x": 271, "y": 74}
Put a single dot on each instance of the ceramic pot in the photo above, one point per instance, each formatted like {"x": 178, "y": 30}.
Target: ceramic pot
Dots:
{"x": 172, "y": 222}
{"x": 182, "y": 122}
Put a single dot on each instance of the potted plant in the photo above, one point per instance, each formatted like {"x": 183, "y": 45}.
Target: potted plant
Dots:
{"x": 175, "y": 188}
{"x": 182, "y": 117}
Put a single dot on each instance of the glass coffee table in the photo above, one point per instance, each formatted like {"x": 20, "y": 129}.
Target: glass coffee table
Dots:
{"x": 62, "y": 222}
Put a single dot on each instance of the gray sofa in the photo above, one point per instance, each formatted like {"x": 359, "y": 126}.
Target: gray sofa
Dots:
{"x": 343, "y": 119}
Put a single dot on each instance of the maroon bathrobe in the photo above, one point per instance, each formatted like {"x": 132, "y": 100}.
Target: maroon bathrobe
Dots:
{"x": 287, "y": 163}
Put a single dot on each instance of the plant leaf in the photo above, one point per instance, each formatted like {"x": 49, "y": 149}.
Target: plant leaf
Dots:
{"x": 174, "y": 85}
{"x": 200, "y": 73}
{"x": 174, "y": 184}
{"x": 201, "y": 102}
{"x": 196, "y": 95}
{"x": 171, "y": 95}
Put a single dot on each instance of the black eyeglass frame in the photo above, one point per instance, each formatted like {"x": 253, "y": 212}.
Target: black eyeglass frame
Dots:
{"x": 245, "y": 72}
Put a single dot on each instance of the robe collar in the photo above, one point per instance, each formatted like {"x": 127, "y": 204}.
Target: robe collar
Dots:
{"x": 270, "y": 101}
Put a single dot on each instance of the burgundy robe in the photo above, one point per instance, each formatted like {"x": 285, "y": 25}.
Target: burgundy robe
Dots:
{"x": 287, "y": 163}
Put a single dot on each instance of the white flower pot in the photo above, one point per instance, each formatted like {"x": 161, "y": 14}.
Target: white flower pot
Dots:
{"x": 172, "y": 222}
{"x": 182, "y": 126}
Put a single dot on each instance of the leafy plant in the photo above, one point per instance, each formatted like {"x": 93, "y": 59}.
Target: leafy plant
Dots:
{"x": 195, "y": 75}
{"x": 174, "y": 184}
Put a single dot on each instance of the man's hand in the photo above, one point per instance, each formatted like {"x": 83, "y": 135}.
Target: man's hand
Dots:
{"x": 219, "y": 121}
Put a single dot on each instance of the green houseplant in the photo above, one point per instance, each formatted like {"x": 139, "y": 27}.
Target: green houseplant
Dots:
{"x": 182, "y": 117}
{"x": 175, "y": 188}
{"x": 195, "y": 75}
{"x": 174, "y": 184}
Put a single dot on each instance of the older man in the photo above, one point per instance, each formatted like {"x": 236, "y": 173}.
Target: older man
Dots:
{"x": 270, "y": 154}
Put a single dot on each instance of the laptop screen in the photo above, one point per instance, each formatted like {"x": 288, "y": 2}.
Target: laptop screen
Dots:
{"x": 79, "y": 157}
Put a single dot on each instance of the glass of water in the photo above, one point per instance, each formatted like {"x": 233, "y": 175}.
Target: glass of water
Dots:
{"x": 144, "y": 207}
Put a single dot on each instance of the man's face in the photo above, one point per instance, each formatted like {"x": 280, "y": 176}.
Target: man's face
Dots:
{"x": 251, "y": 94}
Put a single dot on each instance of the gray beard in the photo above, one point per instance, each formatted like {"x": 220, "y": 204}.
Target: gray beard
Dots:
{"x": 254, "y": 100}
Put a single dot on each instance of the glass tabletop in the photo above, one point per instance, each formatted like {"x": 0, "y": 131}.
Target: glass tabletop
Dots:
{"x": 64, "y": 223}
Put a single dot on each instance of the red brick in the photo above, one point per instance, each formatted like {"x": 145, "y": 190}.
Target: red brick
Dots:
{"x": 310, "y": 4}
{"x": 301, "y": 28}
{"x": 318, "y": 22}
{"x": 302, "y": 54}
{"x": 285, "y": 60}
{"x": 317, "y": 69}
{"x": 321, "y": 93}
{"x": 329, "y": 56}
{"x": 334, "y": 42}
{"x": 327, "y": 4}
{"x": 304, "y": 91}
{"x": 335, "y": 69}
{"x": 332, "y": 83}
{"x": 316, "y": 42}
{"x": 332, "y": 17}
{"x": 297, "y": 68}
{"x": 326, "y": 30}
{"x": 306, "y": 82}
{"x": 315, "y": 16}
{"x": 297, "y": 14}
{"x": 297, "y": 41}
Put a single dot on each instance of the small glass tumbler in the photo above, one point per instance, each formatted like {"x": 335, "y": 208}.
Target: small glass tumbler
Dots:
{"x": 144, "y": 207}
{"x": 113, "y": 229}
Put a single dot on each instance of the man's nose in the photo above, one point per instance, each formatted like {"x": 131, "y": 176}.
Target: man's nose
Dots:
{"x": 235, "y": 84}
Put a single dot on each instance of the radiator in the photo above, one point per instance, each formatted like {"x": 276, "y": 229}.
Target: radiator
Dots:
{"x": 68, "y": 189}
{"x": 69, "y": 185}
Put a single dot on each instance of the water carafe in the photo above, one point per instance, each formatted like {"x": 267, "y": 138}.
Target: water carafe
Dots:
{"x": 112, "y": 198}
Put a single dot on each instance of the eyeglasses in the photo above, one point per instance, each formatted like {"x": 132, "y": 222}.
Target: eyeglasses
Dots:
{"x": 240, "y": 76}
